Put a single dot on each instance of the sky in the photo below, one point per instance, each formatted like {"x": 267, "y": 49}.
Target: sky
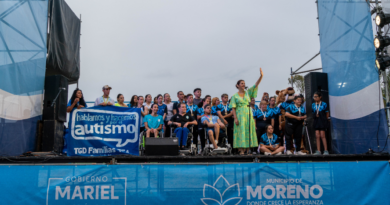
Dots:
{"x": 154, "y": 47}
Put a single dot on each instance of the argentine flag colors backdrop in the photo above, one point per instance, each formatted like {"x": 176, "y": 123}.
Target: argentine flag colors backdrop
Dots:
{"x": 348, "y": 56}
{"x": 23, "y": 26}
{"x": 229, "y": 184}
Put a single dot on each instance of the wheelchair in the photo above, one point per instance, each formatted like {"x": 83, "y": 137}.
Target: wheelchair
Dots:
{"x": 223, "y": 146}
{"x": 191, "y": 147}
{"x": 142, "y": 137}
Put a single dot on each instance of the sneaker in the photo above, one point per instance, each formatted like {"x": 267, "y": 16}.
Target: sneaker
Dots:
{"x": 326, "y": 152}
{"x": 279, "y": 153}
{"x": 254, "y": 153}
{"x": 317, "y": 153}
{"x": 301, "y": 153}
{"x": 267, "y": 153}
{"x": 289, "y": 152}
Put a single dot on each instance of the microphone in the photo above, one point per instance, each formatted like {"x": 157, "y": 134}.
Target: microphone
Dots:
{"x": 54, "y": 101}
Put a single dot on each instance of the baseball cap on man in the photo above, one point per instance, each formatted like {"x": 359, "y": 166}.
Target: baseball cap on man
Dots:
{"x": 106, "y": 87}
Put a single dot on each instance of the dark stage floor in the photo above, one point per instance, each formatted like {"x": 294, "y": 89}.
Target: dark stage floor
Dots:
{"x": 128, "y": 159}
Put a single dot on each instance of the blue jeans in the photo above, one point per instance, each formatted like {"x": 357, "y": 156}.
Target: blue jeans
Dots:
{"x": 182, "y": 134}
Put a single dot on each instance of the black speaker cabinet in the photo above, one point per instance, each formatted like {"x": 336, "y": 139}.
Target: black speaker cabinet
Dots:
{"x": 161, "y": 146}
{"x": 53, "y": 85}
{"x": 52, "y": 139}
{"x": 315, "y": 81}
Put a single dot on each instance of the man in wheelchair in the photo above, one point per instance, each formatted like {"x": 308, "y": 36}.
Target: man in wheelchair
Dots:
{"x": 182, "y": 121}
{"x": 153, "y": 122}
{"x": 213, "y": 125}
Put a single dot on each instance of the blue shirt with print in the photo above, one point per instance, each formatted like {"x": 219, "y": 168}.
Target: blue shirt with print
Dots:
{"x": 266, "y": 141}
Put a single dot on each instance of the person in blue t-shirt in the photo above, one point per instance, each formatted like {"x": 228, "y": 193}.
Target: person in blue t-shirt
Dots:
{"x": 263, "y": 118}
{"x": 253, "y": 106}
{"x": 76, "y": 101}
{"x": 200, "y": 114}
{"x": 269, "y": 143}
{"x": 162, "y": 108}
{"x": 295, "y": 116}
{"x": 192, "y": 110}
{"x": 214, "y": 103}
{"x": 225, "y": 113}
{"x": 180, "y": 96}
{"x": 276, "y": 115}
{"x": 153, "y": 122}
{"x": 212, "y": 125}
{"x": 321, "y": 115}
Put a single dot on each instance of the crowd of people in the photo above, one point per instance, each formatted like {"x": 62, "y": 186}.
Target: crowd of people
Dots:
{"x": 249, "y": 128}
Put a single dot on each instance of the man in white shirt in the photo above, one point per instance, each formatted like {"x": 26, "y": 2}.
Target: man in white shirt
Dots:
{"x": 105, "y": 99}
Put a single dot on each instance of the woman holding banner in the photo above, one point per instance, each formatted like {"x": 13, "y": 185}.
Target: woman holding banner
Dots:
{"x": 121, "y": 101}
{"x": 76, "y": 101}
{"x": 244, "y": 125}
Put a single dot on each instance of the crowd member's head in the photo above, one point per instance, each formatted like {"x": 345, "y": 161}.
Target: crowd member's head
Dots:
{"x": 317, "y": 96}
{"x": 215, "y": 101}
{"x": 270, "y": 129}
{"x": 78, "y": 94}
{"x": 208, "y": 97}
{"x": 190, "y": 99}
{"x": 140, "y": 100}
{"x": 155, "y": 100}
{"x": 298, "y": 100}
{"x": 106, "y": 90}
{"x": 265, "y": 97}
{"x": 159, "y": 99}
{"x": 197, "y": 93}
{"x": 182, "y": 108}
{"x": 205, "y": 101}
{"x": 253, "y": 102}
{"x": 272, "y": 101}
{"x": 225, "y": 98}
{"x": 148, "y": 98}
{"x": 241, "y": 85}
{"x": 167, "y": 98}
{"x": 263, "y": 105}
{"x": 120, "y": 98}
{"x": 185, "y": 98}
{"x": 133, "y": 101}
{"x": 154, "y": 109}
{"x": 180, "y": 96}
{"x": 207, "y": 109}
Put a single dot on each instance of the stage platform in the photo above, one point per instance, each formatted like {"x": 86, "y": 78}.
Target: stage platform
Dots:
{"x": 219, "y": 159}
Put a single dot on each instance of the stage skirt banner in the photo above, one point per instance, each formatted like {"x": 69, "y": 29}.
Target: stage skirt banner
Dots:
{"x": 103, "y": 131}
{"x": 225, "y": 184}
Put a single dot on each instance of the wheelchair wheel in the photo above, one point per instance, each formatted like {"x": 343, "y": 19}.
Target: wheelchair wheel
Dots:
{"x": 193, "y": 151}
{"x": 206, "y": 151}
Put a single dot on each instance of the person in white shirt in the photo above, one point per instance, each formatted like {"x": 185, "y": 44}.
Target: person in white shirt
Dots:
{"x": 148, "y": 101}
{"x": 167, "y": 101}
{"x": 105, "y": 99}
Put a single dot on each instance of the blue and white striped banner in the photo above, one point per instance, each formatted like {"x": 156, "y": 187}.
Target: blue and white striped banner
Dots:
{"x": 23, "y": 32}
{"x": 348, "y": 56}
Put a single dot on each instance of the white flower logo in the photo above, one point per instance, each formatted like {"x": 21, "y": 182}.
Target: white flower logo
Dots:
{"x": 211, "y": 195}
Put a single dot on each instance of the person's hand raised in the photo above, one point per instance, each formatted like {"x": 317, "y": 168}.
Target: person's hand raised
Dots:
{"x": 261, "y": 72}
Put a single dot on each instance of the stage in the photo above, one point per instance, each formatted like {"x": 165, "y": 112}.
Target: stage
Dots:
{"x": 218, "y": 159}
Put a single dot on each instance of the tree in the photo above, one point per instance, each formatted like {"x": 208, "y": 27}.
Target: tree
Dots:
{"x": 299, "y": 83}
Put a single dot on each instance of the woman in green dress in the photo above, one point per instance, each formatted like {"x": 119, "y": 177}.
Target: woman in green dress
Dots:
{"x": 244, "y": 125}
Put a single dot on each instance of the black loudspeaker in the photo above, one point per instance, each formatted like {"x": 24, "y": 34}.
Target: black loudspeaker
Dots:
{"x": 52, "y": 139}
{"x": 53, "y": 85}
{"x": 316, "y": 82}
{"x": 161, "y": 146}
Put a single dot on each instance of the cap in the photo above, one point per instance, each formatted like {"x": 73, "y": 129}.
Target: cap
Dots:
{"x": 107, "y": 87}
